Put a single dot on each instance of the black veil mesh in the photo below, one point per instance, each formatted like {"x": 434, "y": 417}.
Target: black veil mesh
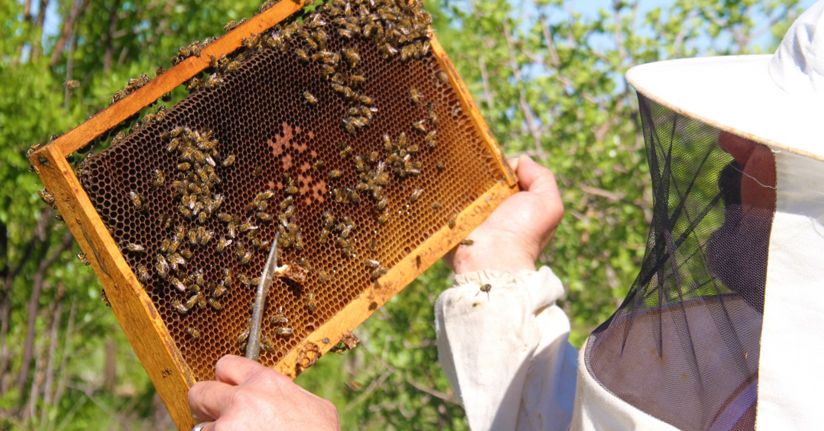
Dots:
{"x": 684, "y": 345}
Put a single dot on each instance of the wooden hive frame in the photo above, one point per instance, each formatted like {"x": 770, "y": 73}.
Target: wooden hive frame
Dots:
{"x": 133, "y": 308}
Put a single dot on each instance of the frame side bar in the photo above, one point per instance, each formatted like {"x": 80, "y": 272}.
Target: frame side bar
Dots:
{"x": 133, "y": 308}
{"x": 472, "y": 109}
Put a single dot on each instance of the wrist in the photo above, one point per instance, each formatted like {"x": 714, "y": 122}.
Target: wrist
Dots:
{"x": 493, "y": 252}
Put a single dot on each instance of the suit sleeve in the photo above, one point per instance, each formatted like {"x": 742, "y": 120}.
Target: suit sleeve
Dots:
{"x": 505, "y": 351}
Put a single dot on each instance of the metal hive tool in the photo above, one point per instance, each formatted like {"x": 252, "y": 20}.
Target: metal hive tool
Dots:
{"x": 360, "y": 146}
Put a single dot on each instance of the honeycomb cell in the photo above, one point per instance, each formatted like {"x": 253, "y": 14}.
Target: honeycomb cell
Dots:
{"x": 253, "y": 156}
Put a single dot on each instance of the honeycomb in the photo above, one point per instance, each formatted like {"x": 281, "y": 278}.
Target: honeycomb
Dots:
{"x": 352, "y": 144}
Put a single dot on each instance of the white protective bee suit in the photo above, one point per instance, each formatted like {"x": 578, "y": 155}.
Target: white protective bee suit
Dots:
{"x": 703, "y": 341}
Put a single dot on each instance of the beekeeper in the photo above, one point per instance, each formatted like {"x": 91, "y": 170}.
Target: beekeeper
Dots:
{"x": 721, "y": 328}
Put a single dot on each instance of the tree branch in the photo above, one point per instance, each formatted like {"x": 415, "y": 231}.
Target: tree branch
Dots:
{"x": 37, "y": 241}
{"x": 108, "y": 54}
{"x": 34, "y": 300}
{"x": 523, "y": 104}
{"x": 36, "y": 47}
{"x": 73, "y": 15}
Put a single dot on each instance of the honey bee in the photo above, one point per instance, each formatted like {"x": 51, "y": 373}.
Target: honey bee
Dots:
{"x": 159, "y": 178}
{"x": 227, "y": 277}
{"x": 356, "y": 79}
{"x": 345, "y": 32}
{"x": 324, "y": 236}
{"x": 440, "y": 167}
{"x": 193, "y": 332}
{"x": 175, "y": 260}
{"x": 184, "y": 166}
{"x": 415, "y": 95}
{"x": 415, "y": 195}
{"x": 162, "y": 266}
{"x": 420, "y": 126}
{"x": 377, "y": 273}
{"x": 344, "y": 153}
{"x": 431, "y": 138}
{"x": 191, "y": 302}
{"x": 264, "y": 216}
{"x": 265, "y": 195}
{"x": 229, "y": 160}
{"x": 284, "y": 331}
{"x": 222, "y": 244}
{"x": 366, "y": 100}
{"x": 443, "y": 77}
{"x": 231, "y": 229}
{"x": 192, "y": 236}
{"x": 436, "y": 205}
{"x": 310, "y": 42}
{"x": 292, "y": 190}
{"x": 179, "y": 307}
{"x": 486, "y": 288}
{"x": 383, "y": 218}
{"x": 302, "y": 54}
{"x": 310, "y": 98}
{"x": 381, "y": 205}
{"x": 242, "y": 337}
{"x": 83, "y": 258}
{"x": 247, "y": 226}
{"x": 335, "y": 174}
{"x": 136, "y": 199}
{"x": 267, "y": 345}
{"x": 260, "y": 244}
{"x": 352, "y": 57}
{"x": 135, "y": 248}
{"x": 245, "y": 257}
{"x": 215, "y": 304}
{"x": 47, "y": 197}
{"x": 451, "y": 223}
{"x": 310, "y": 302}
{"x": 388, "y": 50}
{"x": 467, "y": 242}
{"x": 177, "y": 284}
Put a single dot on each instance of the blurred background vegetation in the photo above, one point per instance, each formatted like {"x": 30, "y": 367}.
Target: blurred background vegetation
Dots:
{"x": 548, "y": 76}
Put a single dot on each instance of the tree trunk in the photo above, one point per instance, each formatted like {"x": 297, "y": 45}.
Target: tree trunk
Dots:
{"x": 108, "y": 55}
{"x": 35, "y": 243}
{"x": 77, "y": 9}
{"x": 34, "y": 302}
{"x": 110, "y": 370}
{"x": 37, "y": 45}
{"x": 55, "y": 314}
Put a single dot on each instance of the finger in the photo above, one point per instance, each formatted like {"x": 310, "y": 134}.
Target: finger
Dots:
{"x": 513, "y": 163}
{"x": 208, "y": 399}
{"x": 235, "y": 370}
{"x": 535, "y": 178}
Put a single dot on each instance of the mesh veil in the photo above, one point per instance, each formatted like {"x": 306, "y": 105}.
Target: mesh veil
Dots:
{"x": 684, "y": 344}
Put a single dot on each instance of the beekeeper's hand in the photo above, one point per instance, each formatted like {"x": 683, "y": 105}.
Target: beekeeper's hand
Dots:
{"x": 517, "y": 231}
{"x": 248, "y": 396}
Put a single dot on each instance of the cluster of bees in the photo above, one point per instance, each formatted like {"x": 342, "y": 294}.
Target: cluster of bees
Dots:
{"x": 195, "y": 186}
{"x": 133, "y": 85}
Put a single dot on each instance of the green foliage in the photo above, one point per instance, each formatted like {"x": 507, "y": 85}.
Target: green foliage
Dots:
{"x": 549, "y": 80}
